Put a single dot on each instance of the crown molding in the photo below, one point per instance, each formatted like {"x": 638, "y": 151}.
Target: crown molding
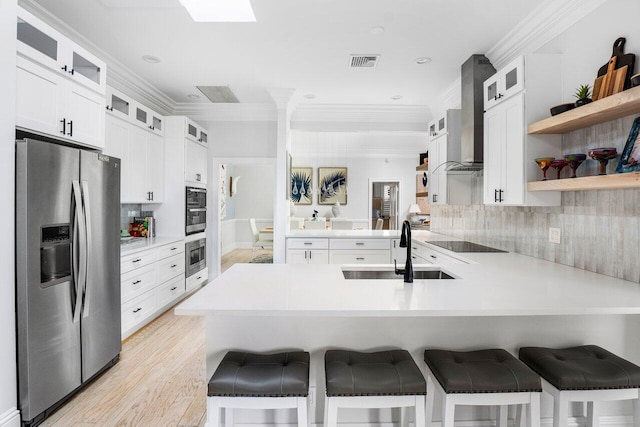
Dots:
{"x": 452, "y": 96}
{"x": 228, "y": 112}
{"x": 282, "y": 97}
{"x": 118, "y": 75}
{"x": 362, "y": 113}
{"x": 547, "y": 21}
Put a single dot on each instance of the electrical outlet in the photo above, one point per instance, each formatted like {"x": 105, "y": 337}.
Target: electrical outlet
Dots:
{"x": 554, "y": 235}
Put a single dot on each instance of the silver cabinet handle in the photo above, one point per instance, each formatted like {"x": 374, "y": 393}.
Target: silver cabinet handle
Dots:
{"x": 359, "y": 243}
{"x": 360, "y": 259}
{"x": 308, "y": 243}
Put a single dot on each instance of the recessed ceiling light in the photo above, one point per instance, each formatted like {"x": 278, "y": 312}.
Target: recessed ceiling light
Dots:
{"x": 423, "y": 60}
{"x": 378, "y": 29}
{"x": 219, "y": 10}
{"x": 193, "y": 96}
{"x": 396, "y": 97}
{"x": 310, "y": 96}
{"x": 151, "y": 59}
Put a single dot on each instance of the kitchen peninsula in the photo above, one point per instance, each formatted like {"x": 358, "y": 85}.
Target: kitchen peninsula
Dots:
{"x": 494, "y": 300}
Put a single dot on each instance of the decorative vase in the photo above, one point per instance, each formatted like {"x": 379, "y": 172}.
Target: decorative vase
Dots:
{"x": 335, "y": 210}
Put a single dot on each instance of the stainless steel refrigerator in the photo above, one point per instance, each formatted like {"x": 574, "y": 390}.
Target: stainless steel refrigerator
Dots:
{"x": 67, "y": 272}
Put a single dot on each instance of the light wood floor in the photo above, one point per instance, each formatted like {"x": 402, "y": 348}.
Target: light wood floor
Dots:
{"x": 160, "y": 380}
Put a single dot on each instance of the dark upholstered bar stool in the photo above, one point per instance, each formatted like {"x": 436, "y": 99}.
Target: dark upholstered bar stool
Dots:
{"x": 586, "y": 373}
{"x": 484, "y": 377}
{"x": 259, "y": 381}
{"x": 384, "y": 379}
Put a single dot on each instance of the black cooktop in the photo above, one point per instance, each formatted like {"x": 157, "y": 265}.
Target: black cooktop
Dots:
{"x": 463, "y": 246}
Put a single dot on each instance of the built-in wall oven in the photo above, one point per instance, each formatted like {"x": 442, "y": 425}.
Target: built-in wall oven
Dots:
{"x": 196, "y": 210}
{"x": 196, "y": 256}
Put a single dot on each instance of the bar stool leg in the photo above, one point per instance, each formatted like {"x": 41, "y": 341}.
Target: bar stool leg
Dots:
{"x": 420, "y": 412}
{"x": 560, "y": 411}
{"x": 501, "y": 415}
{"x": 331, "y": 417}
{"x": 593, "y": 414}
{"x": 404, "y": 416}
{"x": 448, "y": 412}
{"x": 431, "y": 391}
{"x": 303, "y": 417}
{"x": 533, "y": 420}
{"x": 213, "y": 412}
{"x": 520, "y": 418}
{"x": 636, "y": 412}
{"x": 228, "y": 417}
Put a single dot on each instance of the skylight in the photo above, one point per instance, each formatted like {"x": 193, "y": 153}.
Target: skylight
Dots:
{"x": 219, "y": 10}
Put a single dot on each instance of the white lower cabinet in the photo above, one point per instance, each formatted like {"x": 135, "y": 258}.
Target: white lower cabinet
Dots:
{"x": 151, "y": 279}
{"x": 197, "y": 279}
{"x": 436, "y": 257}
{"x": 338, "y": 251}
{"x": 398, "y": 254}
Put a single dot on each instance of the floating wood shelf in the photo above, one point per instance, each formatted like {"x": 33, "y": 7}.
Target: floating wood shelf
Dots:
{"x": 610, "y": 108}
{"x": 423, "y": 167}
{"x": 599, "y": 182}
{"x": 425, "y": 194}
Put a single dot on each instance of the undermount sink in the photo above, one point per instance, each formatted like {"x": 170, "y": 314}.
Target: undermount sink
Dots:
{"x": 387, "y": 274}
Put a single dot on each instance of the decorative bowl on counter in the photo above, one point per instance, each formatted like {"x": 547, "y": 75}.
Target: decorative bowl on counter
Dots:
{"x": 562, "y": 108}
{"x": 603, "y": 155}
{"x": 544, "y": 163}
{"x": 574, "y": 160}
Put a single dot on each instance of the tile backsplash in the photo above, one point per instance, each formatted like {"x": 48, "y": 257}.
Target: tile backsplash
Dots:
{"x": 128, "y": 211}
{"x": 600, "y": 229}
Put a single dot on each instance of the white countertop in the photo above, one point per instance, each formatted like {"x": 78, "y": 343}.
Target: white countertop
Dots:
{"x": 142, "y": 244}
{"x": 495, "y": 284}
{"x": 357, "y": 234}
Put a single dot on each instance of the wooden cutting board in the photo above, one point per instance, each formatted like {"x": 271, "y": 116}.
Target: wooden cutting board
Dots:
{"x": 612, "y": 82}
{"x": 622, "y": 59}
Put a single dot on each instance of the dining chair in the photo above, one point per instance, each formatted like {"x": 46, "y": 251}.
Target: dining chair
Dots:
{"x": 257, "y": 243}
{"x": 379, "y": 224}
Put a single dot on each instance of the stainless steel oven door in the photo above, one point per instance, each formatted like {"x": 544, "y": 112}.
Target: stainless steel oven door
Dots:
{"x": 196, "y": 256}
{"x": 196, "y": 210}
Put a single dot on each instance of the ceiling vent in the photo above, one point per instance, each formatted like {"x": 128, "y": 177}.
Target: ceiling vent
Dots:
{"x": 363, "y": 61}
{"x": 219, "y": 94}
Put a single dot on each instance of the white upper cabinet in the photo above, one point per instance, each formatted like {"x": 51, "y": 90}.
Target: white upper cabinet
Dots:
{"x": 509, "y": 152}
{"x": 142, "y": 160}
{"x": 196, "y": 133}
{"x": 438, "y": 127}
{"x": 60, "y": 86}
{"x": 127, "y": 109}
{"x": 195, "y": 168}
{"x": 41, "y": 43}
{"x": 50, "y": 104}
{"x": 507, "y": 82}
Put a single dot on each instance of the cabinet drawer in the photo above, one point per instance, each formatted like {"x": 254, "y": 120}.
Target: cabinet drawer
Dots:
{"x": 359, "y": 244}
{"x": 170, "y": 291}
{"x": 360, "y": 257}
{"x": 436, "y": 257}
{"x": 169, "y": 250}
{"x": 307, "y": 243}
{"x": 138, "y": 309}
{"x": 137, "y": 260}
{"x": 138, "y": 281}
{"x": 200, "y": 277}
{"x": 170, "y": 267}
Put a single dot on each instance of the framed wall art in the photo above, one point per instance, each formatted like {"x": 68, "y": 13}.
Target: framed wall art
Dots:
{"x": 630, "y": 158}
{"x": 332, "y": 186}
{"x": 301, "y": 189}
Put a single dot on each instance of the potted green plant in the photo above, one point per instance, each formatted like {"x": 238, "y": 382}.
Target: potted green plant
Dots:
{"x": 583, "y": 93}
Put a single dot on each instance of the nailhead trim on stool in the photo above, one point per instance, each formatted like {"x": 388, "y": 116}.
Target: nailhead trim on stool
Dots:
{"x": 259, "y": 381}
{"x": 384, "y": 379}
{"x": 586, "y": 373}
{"x": 484, "y": 377}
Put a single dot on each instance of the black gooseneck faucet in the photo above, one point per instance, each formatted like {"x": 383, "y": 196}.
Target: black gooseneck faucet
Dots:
{"x": 405, "y": 242}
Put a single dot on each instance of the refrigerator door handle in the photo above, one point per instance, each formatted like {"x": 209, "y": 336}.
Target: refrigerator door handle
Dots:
{"x": 87, "y": 240}
{"x": 78, "y": 250}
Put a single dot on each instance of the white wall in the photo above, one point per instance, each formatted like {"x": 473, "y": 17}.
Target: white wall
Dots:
{"x": 256, "y": 191}
{"x": 242, "y": 139}
{"x": 8, "y": 400}
{"x": 587, "y": 45}
{"x": 359, "y": 172}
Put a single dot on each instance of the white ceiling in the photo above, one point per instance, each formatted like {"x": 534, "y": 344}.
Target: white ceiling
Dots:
{"x": 301, "y": 44}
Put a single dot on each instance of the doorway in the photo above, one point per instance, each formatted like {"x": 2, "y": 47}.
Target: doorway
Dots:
{"x": 383, "y": 204}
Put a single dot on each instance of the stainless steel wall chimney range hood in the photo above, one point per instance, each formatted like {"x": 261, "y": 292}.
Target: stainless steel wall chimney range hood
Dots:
{"x": 473, "y": 74}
